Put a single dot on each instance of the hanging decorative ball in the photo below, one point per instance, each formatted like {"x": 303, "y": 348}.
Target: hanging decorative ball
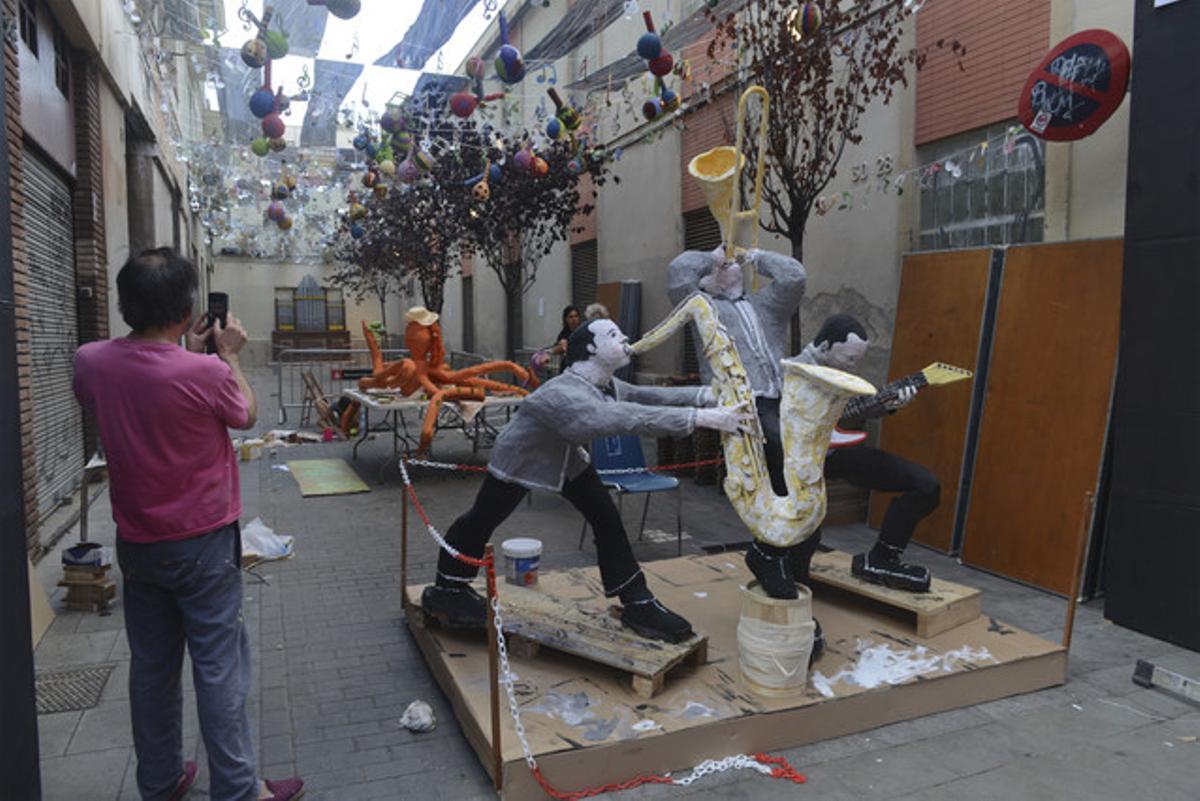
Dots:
{"x": 290, "y": 183}
{"x": 260, "y": 147}
{"x": 277, "y": 144}
{"x": 344, "y": 9}
{"x": 360, "y": 142}
{"x": 357, "y": 231}
{"x": 482, "y": 191}
{"x": 523, "y": 158}
{"x": 387, "y": 167}
{"x": 369, "y": 179}
{"x": 475, "y": 67}
{"x": 510, "y": 67}
{"x": 357, "y": 211}
{"x": 663, "y": 64}
{"x": 668, "y": 100}
{"x": 262, "y": 102}
{"x": 423, "y": 160}
{"x": 401, "y": 142}
{"x": 649, "y": 46}
{"x": 554, "y": 128}
{"x": 539, "y": 167}
{"x": 652, "y": 108}
{"x": 254, "y": 53}
{"x": 380, "y": 190}
{"x": 495, "y": 173}
{"x": 372, "y": 149}
{"x": 806, "y": 20}
{"x": 285, "y": 224}
{"x": 407, "y": 172}
{"x": 279, "y": 192}
{"x": 276, "y": 211}
{"x": 575, "y": 166}
{"x": 273, "y": 126}
{"x": 393, "y": 120}
{"x": 277, "y": 44}
{"x": 463, "y": 104}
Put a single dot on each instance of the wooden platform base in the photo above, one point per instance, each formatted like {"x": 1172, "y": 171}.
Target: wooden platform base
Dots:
{"x": 587, "y": 726}
{"x": 89, "y": 589}
{"x": 945, "y": 606}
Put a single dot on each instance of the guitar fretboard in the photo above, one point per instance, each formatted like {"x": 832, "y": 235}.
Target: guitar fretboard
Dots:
{"x": 866, "y": 405}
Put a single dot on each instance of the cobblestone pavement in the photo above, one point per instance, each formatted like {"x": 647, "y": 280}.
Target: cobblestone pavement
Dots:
{"x": 335, "y": 667}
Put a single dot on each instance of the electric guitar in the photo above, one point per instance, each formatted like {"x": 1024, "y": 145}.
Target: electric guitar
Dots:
{"x": 934, "y": 375}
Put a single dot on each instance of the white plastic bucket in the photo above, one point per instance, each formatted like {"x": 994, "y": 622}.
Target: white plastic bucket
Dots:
{"x": 521, "y": 558}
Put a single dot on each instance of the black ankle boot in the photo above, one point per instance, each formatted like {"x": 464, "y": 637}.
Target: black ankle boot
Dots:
{"x": 882, "y": 565}
{"x": 456, "y": 607}
{"x": 654, "y": 621}
{"x": 771, "y": 566}
{"x": 818, "y": 643}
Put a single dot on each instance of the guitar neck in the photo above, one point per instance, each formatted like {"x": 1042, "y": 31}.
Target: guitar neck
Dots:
{"x": 865, "y": 406}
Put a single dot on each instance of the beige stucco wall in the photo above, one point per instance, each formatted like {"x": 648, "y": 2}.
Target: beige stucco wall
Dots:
{"x": 116, "y": 223}
{"x": 1085, "y": 180}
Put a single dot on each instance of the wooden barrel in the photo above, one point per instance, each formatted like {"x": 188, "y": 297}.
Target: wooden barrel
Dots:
{"x": 775, "y": 639}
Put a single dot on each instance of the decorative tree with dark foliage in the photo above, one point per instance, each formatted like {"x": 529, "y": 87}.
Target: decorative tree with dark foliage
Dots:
{"x": 820, "y": 83}
{"x": 423, "y": 228}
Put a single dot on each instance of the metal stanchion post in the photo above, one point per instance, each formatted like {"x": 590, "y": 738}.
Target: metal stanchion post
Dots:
{"x": 404, "y": 551}
{"x": 494, "y": 672}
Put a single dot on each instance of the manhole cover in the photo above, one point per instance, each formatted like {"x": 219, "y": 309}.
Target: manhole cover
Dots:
{"x": 71, "y": 690}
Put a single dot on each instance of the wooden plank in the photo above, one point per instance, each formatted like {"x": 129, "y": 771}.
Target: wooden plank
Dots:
{"x": 944, "y": 607}
{"x": 589, "y": 631}
{"x": 1045, "y": 411}
{"x": 939, "y": 313}
{"x": 709, "y": 713}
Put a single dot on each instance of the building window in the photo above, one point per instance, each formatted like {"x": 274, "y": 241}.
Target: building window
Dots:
{"x": 584, "y": 269}
{"x": 62, "y": 67}
{"x": 29, "y": 31}
{"x": 309, "y": 307}
{"x": 973, "y": 196}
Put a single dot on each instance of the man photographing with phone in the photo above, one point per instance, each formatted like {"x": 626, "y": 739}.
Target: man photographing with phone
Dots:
{"x": 163, "y": 413}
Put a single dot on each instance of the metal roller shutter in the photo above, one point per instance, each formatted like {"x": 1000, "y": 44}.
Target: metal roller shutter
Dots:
{"x": 585, "y": 265}
{"x": 54, "y": 335}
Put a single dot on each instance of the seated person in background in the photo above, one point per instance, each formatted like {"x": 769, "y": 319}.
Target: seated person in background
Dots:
{"x": 841, "y": 343}
{"x": 543, "y": 448}
{"x": 596, "y": 311}
{"x": 570, "y": 320}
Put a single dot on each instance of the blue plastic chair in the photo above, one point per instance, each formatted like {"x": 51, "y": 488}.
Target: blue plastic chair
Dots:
{"x": 625, "y": 453}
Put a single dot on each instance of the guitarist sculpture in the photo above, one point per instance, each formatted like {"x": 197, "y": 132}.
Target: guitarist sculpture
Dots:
{"x": 841, "y": 343}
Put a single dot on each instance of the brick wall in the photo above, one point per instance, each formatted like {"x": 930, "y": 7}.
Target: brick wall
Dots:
{"x": 709, "y": 127}
{"x": 12, "y": 120}
{"x": 1004, "y": 41}
{"x": 91, "y": 268}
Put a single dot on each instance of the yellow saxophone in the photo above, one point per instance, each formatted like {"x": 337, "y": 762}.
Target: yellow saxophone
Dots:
{"x": 812, "y": 403}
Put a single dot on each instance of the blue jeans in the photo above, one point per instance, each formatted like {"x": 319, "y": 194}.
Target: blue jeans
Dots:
{"x": 189, "y": 591}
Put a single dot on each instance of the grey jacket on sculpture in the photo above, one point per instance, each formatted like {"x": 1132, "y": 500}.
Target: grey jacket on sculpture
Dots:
{"x": 758, "y": 324}
{"x": 541, "y": 447}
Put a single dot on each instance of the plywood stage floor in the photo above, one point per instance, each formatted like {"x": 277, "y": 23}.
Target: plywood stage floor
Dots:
{"x": 587, "y": 726}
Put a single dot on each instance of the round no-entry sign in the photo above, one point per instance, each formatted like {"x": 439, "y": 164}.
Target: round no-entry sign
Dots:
{"x": 1078, "y": 86}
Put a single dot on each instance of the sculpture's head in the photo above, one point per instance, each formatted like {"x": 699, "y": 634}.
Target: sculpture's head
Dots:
{"x": 600, "y": 342}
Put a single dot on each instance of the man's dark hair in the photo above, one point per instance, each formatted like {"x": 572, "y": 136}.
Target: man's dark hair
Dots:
{"x": 156, "y": 288}
{"x": 581, "y": 340}
{"x": 837, "y": 328}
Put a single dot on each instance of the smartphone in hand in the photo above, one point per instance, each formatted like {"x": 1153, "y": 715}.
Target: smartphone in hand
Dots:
{"x": 218, "y": 309}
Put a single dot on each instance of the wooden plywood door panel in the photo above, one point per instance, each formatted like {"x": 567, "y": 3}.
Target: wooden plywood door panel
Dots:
{"x": 939, "y": 314}
{"x": 1045, "y": 410}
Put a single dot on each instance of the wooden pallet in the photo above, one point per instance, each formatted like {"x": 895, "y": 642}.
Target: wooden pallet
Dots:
{"x": 534, "y": 620}
{"x": 88, "y": 587}
{"x": 946, "y": 605}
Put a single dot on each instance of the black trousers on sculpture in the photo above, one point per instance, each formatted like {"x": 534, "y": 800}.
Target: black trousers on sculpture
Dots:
{"x": 864, "y": 467}
{"x": 497, "y": 499}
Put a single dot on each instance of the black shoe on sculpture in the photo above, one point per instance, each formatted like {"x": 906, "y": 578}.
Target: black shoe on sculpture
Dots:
{"x": 818, "y": 643}
{"x": 774, "y": 572}
{"x": 455, "y": 607}
{"x": 890, "y": 572}
{"x": 652, "y": 620}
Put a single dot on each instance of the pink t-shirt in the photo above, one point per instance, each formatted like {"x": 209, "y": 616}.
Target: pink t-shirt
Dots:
{"x": 162, "y": 412}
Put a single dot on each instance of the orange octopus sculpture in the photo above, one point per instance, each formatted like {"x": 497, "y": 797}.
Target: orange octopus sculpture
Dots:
{"x": 427, "y": 370}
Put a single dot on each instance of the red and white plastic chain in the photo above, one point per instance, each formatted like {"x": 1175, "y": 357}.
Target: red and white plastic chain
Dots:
{"x": 473, "y": 468}
{"x": 758, "y": 762}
